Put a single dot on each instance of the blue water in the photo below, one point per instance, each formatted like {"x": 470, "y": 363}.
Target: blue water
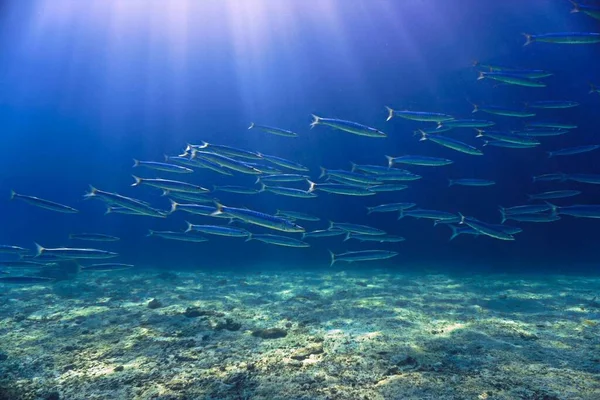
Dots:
{"x": 85, "y": 87}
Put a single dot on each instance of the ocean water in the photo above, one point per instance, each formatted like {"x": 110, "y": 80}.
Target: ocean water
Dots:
{"x": 87, "y": 87}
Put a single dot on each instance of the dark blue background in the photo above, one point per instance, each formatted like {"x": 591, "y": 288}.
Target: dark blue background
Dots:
{"x": 87, "y": 86}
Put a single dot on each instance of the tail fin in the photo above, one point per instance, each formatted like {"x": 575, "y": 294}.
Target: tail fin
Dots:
{"x": 257, "y": 180}
{"x": 369, "y": 210}
{"x": 331, "y": 225}
{"x": 165, "y": 193}
{"x": 136, "y": 163}
{"x": 263, "y": 187}
{"x": 251, "y": 125}
{"x": 485, "y": 142}
{"x": 249, "y": 233}
{"x": 462, "y": 218}
{"x": 166, "y": 157}
{"x": 550, "y": 154}
{"x": 475, "y": 108}
{"x": 455, "y": 231}
{"x": 593, "y": 88}
{"x": 303, "y": 235}
{"x": 390, "y": 113}
{"x": 219, "y": 209}
{"x": 348, "y": 237}
{"x": 12, "y": 194}
{"x": 479, "y": 132}
{"x": 528, "y": 39}
{"x": 333, "y": 260}
{"x": 312, "y": 186}
{"x": 553, "y": 209}
{"x": 401, "y": 213}
{"x": 353, "y": 169}
{"x": 423, "y": 135}
{"x": 481, "y": 75}
{"x": 390, "y": 161}
{"x": 138, "y": 181}
{"x": 440, "y": 125}
{"x": 316, "y": 121}
{"x": 189, "y": 227}
{"x": 450, "y": 182}
{"x": 503, "y": 214}
{"x": 150, "y": 232}
{"x": 202, "y": 146}
{"x": 38, "y": 250}
{"x": 174, "y": 205}
{"x": 323, "y": 172}
{"x": 109, "y": 210}
{"x": 576, "y": 8}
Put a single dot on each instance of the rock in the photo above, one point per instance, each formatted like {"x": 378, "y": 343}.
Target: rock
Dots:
{"x": 304, "y": 353}
{"x": 51, "y": 396}
{"x": 119, "y": 368}
{"x": 270, "y": 333}
{"x": 153, "y": 304}
{"x": 192, "y": 312}
{"x": 3, "y": 356}
{"x": 229, "y": 325}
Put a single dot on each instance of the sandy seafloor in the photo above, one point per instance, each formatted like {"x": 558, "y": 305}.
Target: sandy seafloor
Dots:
{"x": 349, "y": 335}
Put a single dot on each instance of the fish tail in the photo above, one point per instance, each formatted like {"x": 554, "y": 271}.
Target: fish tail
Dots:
{"x": 450, "y": 182}
{"x": 550, "y": 154}
{"x": 166, "y": 157}
{"x": 390, "y": 113}
{"x": 369, "y": 210}
{"x": 462, "y": 218}
{"x": 202, "y": 146}
{"x": 479, "y": 132}
{"x": 455, "y": 232}
{"x": 503, "y": 214}
{"x": 347, "y": 236}
{"x": 263, "y": 187}
{"x": 481, "y": 75}
{"x": 312, "y": 186}
{"x": 592, "y": 88}
{"x": 138, "y": 181}
{"x": 303, "y": 235}
{"x": 189, "y": 227}
{"x": 528, "y": 39}
{"x": 553, "y": 209}
{"x": 576, "y": 8}
{"x": 440, "y": 125}
{"x": 165, "y": 193}
{"x": 150, "y": 232}
{"x": 485, "y": 142}
{"x": 333, "y": 260}
{"x": 353, "y": 169}
{"x": 401, "y": 214}
{"x": 12, "y": 194}
{"x": 194, "y": 153}
{"x": 38, "y": 250}
{"x": 91, "y": 193}
{"x": 249, "y": 237}
{"x": 251, "y": 125}
{"x": 331, "y": 225}
{"x": 475, "y": 108}
{"x": 219, "y": 209}
{"x": 108, "y": 210}
{"x": 174, "y": 205}
{"x": 257, "y": 180}
{"x": 390, "y": 160}
{"x": 323, "y": 172}
{"x": 423, "y": 135}
{"x": 136, "y": 163}
{"x": 316, "y": 121}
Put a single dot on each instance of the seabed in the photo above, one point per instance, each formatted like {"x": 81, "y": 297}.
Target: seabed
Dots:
{"x": 330, "y": 334}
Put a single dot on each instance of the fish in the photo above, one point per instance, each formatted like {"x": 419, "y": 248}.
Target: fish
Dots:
{"x": 558, "y": 176}
{"x": 470, "y": 182}
{"x": 374, "y": 238}
{"x": 159, "y": 166}
{"x": 540, "y": 217}
{"x": 485, "y": 229}
{"x": 191, "y": 197}
{"x": 363, "y": 255}
{"x": 557, "y": 194}
{"x": 8, "y": 249}
{"x": 577, "y": 210}
{"x": 355, "y": 228}
{"x": 106, "y": 267}
{"x": 286, "y": 191}
{"x": 323, "y": 233}
{"x": 584, "y": 178}
{"x": 277, "y": 178}
{"x": 373, "y": 169}
{"x": 511, "y": 79}
{"x": 171, "y": 186}
{"x": 541, "y": 132}
{"x": 213, "y": 166}
{"x": 277, "y": 240}
{"x": 258, "y": 218}
{"x": 429, "y": 214}
{"x": 350, "y": 176}
{"x": 198, "y": 209}
{"x": 526, "y": 209}
{"x": 138, "y": 206}
{"x": 418, "y": 160}
{"x": 274, "y": 131}
{"x": 388, "y": 187}
{"x": 504, "y": 111}
{"x": 264, "y": 168}
{"x": 422, "y": 116}
{"x": 181, "y": 236}
{"x": 123, "y": 210}
{"x": 184, "y": 160}
{"x": 226, "y": 162}
{"x": 594, "y": 89}
{"x": 97, "y": 237}
{"x": 347, "y": 126}
{"x": 452, "y": 144}
{"x": 508, "y": 137}
{"x": 24, "y": 264}
{"x": 225, "y": 150}
{"x": 297, "y": 215}
{"x": 282, "y": 162}
{"x": 461, "y": 230}
{"x": 343, "y": 181}
{"x": 509, "y": 145}
{"x": 569, "y": 151}
{"x": 217, "y": 230}
{"x": 24, "y": 280}
{"x": 395, "y": 174}
{"x": 41, "y": 203}
{"x": 442, "y": 127}
{"x": 235, "y": 189}
{"x": 551, "y": 124}
{"x": 563, "y": 38}
{"x": 75, "y": 253}
{"x": 552, "y": 104}
{"x": 335, "y": 188}
{"x": 529, "y": 73}
{"x": 392, "y": 207}
{"x": 592, "y": 11}
{"x": 463, "y": 123}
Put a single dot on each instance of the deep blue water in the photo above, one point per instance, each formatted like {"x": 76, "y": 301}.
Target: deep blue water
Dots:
{"x": 85, "y": 87}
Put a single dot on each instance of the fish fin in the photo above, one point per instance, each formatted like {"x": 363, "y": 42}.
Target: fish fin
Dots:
{"x": 423, "y": 135}
{"x": 528, "y": 39}
{"x": 263, "y": 187}
{"x": 455, "y": 232}
{"x": 219, "y": 209}
{"x": 550, "y": 154}
{"x": 189, "y": 227}
{"x": 576, "y": 8}
{"x": 390, "y": 113}
{"x": 38, "y": 250}
{"x": 592, "y": 88}
{"x": 440, "y": 125}
{"x": 485, "y": 143}
{"x": 553, "y": 208}
{"x": 479, "y": 132}
{"x": 331, "y": 225}
{"x": 12, "y": 194}
{"x": 150, "y": 232}
{"x": 400, "y": 214}
{"x": 251, "y": 125}
{"x": 138, "y": 181}
{"x": 503, "y": 214}
{"x": 312, "y": 186}
{"x": 315, "y": 122}
{"x": 353, "y": 166}
{"x": 347, "y": 236}
{"x": 369, "y": 210}
{"x": 165, "y": 192}
{"x": 108, "y": 210}
{"x": 249, "y": 237}
{"x": 166, "y": 157}
{"x": 332, "y": 258}
{"x": 257, "y": 180}
{"x": 174, "y": 205}
{"x": 202, "y": 146}
{"x": 481, "y": 75}
{"x": 323, "y": 172}
{"x": 450, "y": 182}
{"x": 462, "y": 218}
{"x": 390, "y": 161}
{"x": 136, "y": 163}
